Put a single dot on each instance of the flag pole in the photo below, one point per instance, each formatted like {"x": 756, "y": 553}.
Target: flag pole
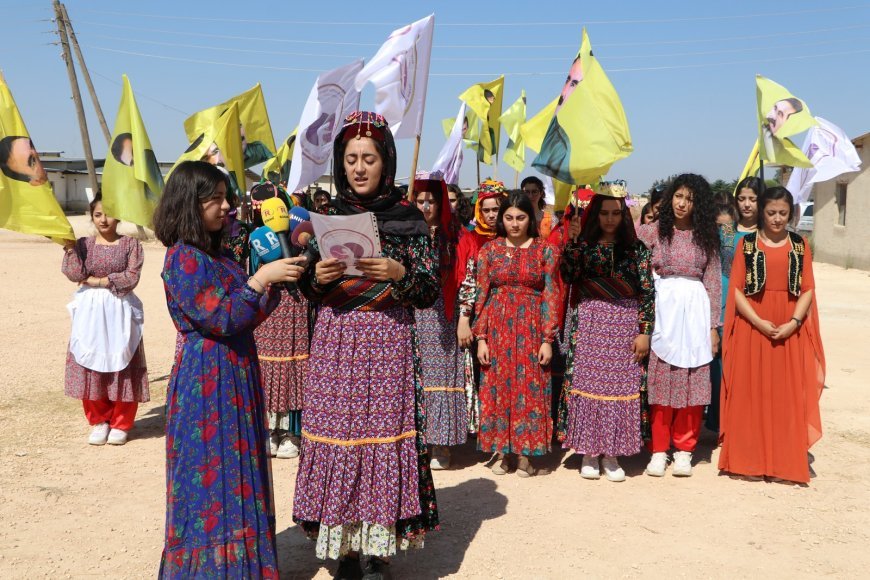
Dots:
{"x": 413, "y": 168}
{"x": 478, "y": 170}
{"x": 516, "y": 179}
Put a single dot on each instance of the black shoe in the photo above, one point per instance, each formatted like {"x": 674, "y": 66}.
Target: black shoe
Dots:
{"x": 348, "y": 569}
{"x": 377, "y": 569}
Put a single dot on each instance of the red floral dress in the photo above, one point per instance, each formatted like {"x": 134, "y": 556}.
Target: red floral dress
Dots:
{"x": 517, "y": 310}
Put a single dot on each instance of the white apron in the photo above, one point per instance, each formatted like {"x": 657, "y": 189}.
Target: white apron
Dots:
{"x": 681, "y": 336}
{"x": 106, "y": 329}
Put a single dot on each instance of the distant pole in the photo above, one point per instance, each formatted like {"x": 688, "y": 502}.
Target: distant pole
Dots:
{"x": 75, "y": 44}
{"x": 413, "y": 169}
{"x": 516, "y": 179}
{"x": 76, "y": 96}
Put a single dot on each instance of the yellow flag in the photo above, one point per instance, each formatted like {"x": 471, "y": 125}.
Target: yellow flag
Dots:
{"x": 132, "y": 182}
{"x": 470, "y": 129}
{"x": 750, "y": 169}
{"x": 513, "y": 119}
{"x": 589, "y": 132}
{"x": 534, "y": 130}
{"x": 258, "y": 144}
{"x": 781, "y": 115}
{"x": 277, "y": 169}
{"x": 221, "y": 145}
{"x": 27, "y": 202}
{"x": 485, "y": 100}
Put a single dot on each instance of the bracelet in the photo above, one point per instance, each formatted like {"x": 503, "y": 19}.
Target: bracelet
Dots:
{"x": 260, "y": 284}
{"x": 798, "y": 322}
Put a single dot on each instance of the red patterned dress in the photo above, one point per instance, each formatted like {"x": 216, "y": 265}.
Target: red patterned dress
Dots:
{"x": 517, "y": 310}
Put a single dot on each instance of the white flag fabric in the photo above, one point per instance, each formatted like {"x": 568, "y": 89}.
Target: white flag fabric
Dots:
{"x": 450, "y": 158}
{"x": 549, "y": 190}
{"x": 332, "y": 98}
{"x": 831, "y": 152}
{"x": 400, "y": 74}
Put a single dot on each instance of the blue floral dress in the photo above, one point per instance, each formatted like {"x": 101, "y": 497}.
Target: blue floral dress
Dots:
{"x": 220, "y": 518}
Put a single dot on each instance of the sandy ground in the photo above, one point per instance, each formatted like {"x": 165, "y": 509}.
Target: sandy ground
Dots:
{"x": 69, "y": 510}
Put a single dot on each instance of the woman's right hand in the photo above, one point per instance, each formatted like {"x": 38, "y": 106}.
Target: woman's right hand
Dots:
{"x": 330, "y": 270}
{"x": 766, "y": 327}
{"x": 284, "y": 270}
{"x": 483, "y": 353}
{"x": 463, "y": 332}
{"x": 574, "y": 227}
{"x": 68, "y": 245}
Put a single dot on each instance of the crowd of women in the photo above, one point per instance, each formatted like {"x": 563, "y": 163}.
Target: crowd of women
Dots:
{"x": 463, "y": 327}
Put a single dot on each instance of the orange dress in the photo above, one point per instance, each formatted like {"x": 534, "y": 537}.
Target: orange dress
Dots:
{"x": 771, "y": 389}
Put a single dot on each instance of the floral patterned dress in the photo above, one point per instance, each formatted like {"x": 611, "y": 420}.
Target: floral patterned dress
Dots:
{"x": 121, "y": 263}
{"x": 220, "y": 518}
{"x": 364, "y": 482}
{"x": 517, "y": 310}
{"x": 617, "y": 302}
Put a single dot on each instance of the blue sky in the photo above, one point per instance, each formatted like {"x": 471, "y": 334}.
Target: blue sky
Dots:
{"x": 684, "y": 69}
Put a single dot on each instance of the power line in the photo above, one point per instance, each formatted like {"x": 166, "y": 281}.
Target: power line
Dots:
{"x": 489, "y": 74}
{"x": 491, "y": 46}
{"x": 476, "y": 59}
{"x": 139, "y": 94}
{"x": 779, "y": 14}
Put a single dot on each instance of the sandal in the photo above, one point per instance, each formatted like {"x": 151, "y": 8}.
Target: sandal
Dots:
{"x": 524, "y": 468}
{"x": 377, "y": 569}
{"x": 502, "y": 467}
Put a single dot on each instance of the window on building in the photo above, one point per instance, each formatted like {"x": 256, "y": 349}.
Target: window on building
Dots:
{"x": 841, "y": 204}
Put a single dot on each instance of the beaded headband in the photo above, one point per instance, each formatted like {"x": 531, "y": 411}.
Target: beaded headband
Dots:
{"x": 367, "y": 124}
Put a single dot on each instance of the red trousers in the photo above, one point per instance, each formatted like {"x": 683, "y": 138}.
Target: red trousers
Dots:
{"x": 118, "y": 414}
{"x": 680, "y": 425}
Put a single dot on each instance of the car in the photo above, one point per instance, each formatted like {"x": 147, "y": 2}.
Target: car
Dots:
{"x": 805, "y": 218}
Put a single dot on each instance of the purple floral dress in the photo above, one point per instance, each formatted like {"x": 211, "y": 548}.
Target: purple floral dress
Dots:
{"x": 220, "y": 518}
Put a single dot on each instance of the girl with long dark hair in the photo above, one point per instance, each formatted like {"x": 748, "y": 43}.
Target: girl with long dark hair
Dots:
{"x": 613, "y": 272}
{"x": 220, "y": 516}
{"x": 685, "y": 256}
{"x": 517, "y": 313}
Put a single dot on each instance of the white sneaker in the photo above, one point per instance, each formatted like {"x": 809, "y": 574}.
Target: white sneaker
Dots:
{"x": 99, "y": 434}
{"x": 590, "y": 470}
{"x": 612, "y": 470}
{"x": 117, "y": 437}
{"x": 682, "y": 464}
{"x": 274, "y": 441}
{"x": 657, "y": 465}
{"x": 288, "y": 448}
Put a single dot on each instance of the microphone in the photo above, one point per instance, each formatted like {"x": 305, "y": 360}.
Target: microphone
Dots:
{"x": 275, "y": 216}
{"x": 265, "y": 244}
{"x": 302, "y": 234}
{"x": 298, "y": 215}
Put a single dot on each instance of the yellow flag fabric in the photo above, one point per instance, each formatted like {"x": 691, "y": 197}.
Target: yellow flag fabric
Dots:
{"x": 277, "y": 169}
{"x": 589, "y": 132}
{"x": 781, "y": 115}
{"x": 485, "y": 100}
{"x": 259, "y": 143}
{"x": 534, "y": 130}
{"x": 221, "y": 145}
{"x": 27, "y": 202}
{"x": 562, "y": 193}
{"x": 132, "y": 182}
{"x": 471, "y": 133}
{"x": 512, "y": 120}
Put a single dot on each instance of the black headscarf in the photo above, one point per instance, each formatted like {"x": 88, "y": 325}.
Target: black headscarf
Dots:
{"x": 394, "y": 213}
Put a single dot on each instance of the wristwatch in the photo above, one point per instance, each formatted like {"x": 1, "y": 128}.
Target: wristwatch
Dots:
{"x": 797, "y": 321}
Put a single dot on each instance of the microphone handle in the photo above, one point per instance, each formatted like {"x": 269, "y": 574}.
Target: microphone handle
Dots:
{"x": 287, "y": 252}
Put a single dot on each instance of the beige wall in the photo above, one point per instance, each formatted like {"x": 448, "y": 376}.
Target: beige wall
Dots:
{"x": 849, "y": 245}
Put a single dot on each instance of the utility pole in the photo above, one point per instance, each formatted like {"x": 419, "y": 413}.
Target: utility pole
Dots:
{"x": 76, "y": 95}
{"x": 86, "y": 74}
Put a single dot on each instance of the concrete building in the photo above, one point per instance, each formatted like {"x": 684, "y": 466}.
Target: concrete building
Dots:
{"x": 841, "y": 220}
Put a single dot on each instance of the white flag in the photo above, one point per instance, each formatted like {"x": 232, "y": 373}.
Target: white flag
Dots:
{"x": 332, "y": 98}
{"x": 400, "y": 73}
{"x": 450, "y": 158}
{"x": 831, "y": 152}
